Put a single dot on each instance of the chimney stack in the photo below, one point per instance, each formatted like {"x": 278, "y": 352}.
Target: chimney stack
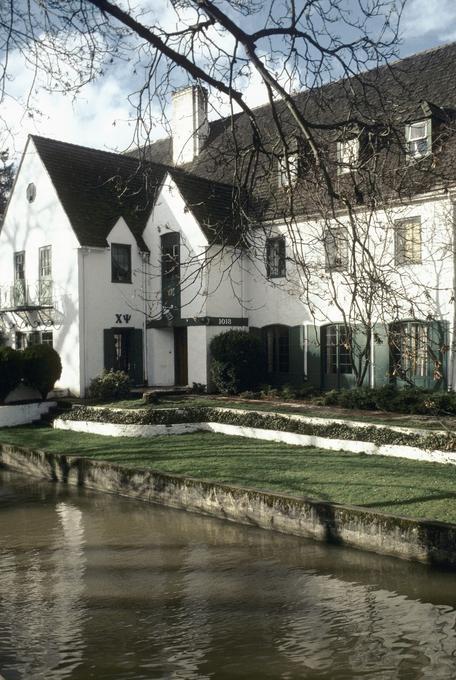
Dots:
{"x": 189, "y": 125}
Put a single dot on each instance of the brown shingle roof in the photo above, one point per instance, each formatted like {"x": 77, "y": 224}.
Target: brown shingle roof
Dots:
{"x": 97, "y": 187}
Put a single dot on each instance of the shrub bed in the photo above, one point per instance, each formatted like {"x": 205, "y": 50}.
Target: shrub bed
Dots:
{"x": 376, "y": 435}
{"x": 110, "y": 386}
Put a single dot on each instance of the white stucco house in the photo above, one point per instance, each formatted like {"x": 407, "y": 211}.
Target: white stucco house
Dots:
{"x": 136, "y": 261}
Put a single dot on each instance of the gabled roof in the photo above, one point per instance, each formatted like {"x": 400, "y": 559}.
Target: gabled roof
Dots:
{"x": 388, "y": 95}
{"x": 97, "y": 187}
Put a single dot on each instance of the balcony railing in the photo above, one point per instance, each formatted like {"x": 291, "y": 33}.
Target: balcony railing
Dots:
{"x": 22, "y": 295}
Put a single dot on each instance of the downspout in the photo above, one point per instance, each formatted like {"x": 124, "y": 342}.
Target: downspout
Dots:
{"x": 82, "y": 331}
{"x": 452, "y": 357}
{"x": 145, "y": 261}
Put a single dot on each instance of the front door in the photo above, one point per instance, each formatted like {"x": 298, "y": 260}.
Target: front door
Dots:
{"x": 180, "y": 356}
{"x": 123, "y": 351}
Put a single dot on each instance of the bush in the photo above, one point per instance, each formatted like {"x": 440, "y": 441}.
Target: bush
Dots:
{"x": 238, "y": 362}
{"x": 42, "y": 368}
{"x": 11, "y": 370}
{"x": 110, "y": 386}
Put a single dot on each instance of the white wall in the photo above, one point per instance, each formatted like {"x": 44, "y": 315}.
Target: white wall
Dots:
{"x": 102, "y": 299}
{"x": 29, "y": 226}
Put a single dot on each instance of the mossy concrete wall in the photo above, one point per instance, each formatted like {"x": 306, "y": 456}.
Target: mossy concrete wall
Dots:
{"x": 424, "y": 541}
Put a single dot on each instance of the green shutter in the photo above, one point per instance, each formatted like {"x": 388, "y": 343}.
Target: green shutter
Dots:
{"x": 296, "y": 349}
{"x": 314, "y": 359}
{"x": 136, "y": 357}
{"x": 438, "y": 346}
{"x": 382, "y": 367}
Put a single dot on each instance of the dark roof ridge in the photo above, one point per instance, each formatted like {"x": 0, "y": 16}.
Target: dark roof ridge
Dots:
{"x": 82, "y": 146}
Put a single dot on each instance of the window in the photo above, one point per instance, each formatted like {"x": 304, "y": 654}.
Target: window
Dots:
{"x": 277, "y": 343}
{"x": 170, "y": 270}
{"x": 30, "y": 192}
{"x": 275, "y": 257}
{"x": 45, "y": 275}
{"x": 34, "y": 338}
{"x": 408, "y": 241}
{"x": 347, "y": 155}
{"x": 337, "y": 349}
{"x": 121, "y": 263}
{"x": 410, "y": 349}
{"x": 418, "y": 139}
{"x": 20, "y": 340}
{"x": 47, "y": 338}
{"x": 336, "y": 249}
{"x": 19, "y": 289}
{"x": 288, "y": 169}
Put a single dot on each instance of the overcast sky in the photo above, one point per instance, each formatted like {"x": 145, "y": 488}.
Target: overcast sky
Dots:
{"x": 100, "y": 117}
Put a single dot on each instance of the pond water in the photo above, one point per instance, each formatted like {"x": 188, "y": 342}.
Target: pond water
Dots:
{"x": 97, "y": 586}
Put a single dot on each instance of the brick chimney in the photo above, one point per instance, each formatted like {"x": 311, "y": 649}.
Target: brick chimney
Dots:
{"x": 189, "y": 125}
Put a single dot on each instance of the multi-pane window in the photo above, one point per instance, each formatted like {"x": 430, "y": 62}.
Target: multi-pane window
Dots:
{"x": 410, "y": 348}
{"x": 121, "y": 263}
{"x": 418, "y": 139}
{"x": 170, "y": 266}
{"x": 408, "y": 241}
{"x": 336, "y": 249}
{"x": 288, "y": 169}
{"x": 19, "y": 289}
{"x": 275, "y": 257}
{"x": 347, "y": 155}
{"x": 45, "y": 275}
{"x": 277, "y": 341}
{"x": 338, "y": 350}
{"x": 47, "y": 338}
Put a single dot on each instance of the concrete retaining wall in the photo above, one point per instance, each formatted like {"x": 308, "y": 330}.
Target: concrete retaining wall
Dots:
{"x": 424, "y": 541}
{"x": 21, "y": 414}
{"x": 293, "y": 438}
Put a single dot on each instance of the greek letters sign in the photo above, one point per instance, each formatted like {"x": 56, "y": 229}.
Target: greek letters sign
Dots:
{"x": 123, "y": 318}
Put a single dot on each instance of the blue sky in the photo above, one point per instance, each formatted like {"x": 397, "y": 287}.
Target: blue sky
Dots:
{"x": 101, "y": 116}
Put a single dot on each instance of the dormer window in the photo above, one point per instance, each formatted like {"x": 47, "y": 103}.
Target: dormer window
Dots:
{"x": 418, "y": 139}
{"x": 347, "y": 155}
{"x": 288, "y": 169}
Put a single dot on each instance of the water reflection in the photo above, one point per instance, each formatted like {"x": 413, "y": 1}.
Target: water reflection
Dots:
{"x": 94, "y": 586}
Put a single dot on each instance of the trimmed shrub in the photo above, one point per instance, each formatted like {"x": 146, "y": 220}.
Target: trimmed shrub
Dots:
{"x": 11, "y": 370}
{"x": 238, "y": 362}
{"x": 110, "y": 386}
{"x": 42, "y": 368}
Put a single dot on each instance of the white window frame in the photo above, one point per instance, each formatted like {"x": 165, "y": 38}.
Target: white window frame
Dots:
{"x": 288, "y": 169}
{"x": 413, "y": 140}
{"x": 408, "y": 240}
{"x": 347, "y": 155}
{"x": 335, "y": 241}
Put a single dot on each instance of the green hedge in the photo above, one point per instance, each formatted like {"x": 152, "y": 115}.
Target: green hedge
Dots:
{"x": 238, "y": 362}
{"x": 280, "y": 423}
{"x": 42, "y": 368}
{"x": 11, "y": 370}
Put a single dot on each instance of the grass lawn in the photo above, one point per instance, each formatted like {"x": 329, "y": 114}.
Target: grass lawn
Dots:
{"x": 391, "y": 485}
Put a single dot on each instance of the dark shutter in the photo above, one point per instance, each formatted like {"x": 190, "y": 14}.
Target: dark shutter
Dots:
{"x": 314, "y": 358}
{"x": 136, "y": 356}
{"x": 296, "y": 336}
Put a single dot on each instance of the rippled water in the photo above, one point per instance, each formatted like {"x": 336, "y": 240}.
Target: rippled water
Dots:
{"x": 95, "y": 586}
